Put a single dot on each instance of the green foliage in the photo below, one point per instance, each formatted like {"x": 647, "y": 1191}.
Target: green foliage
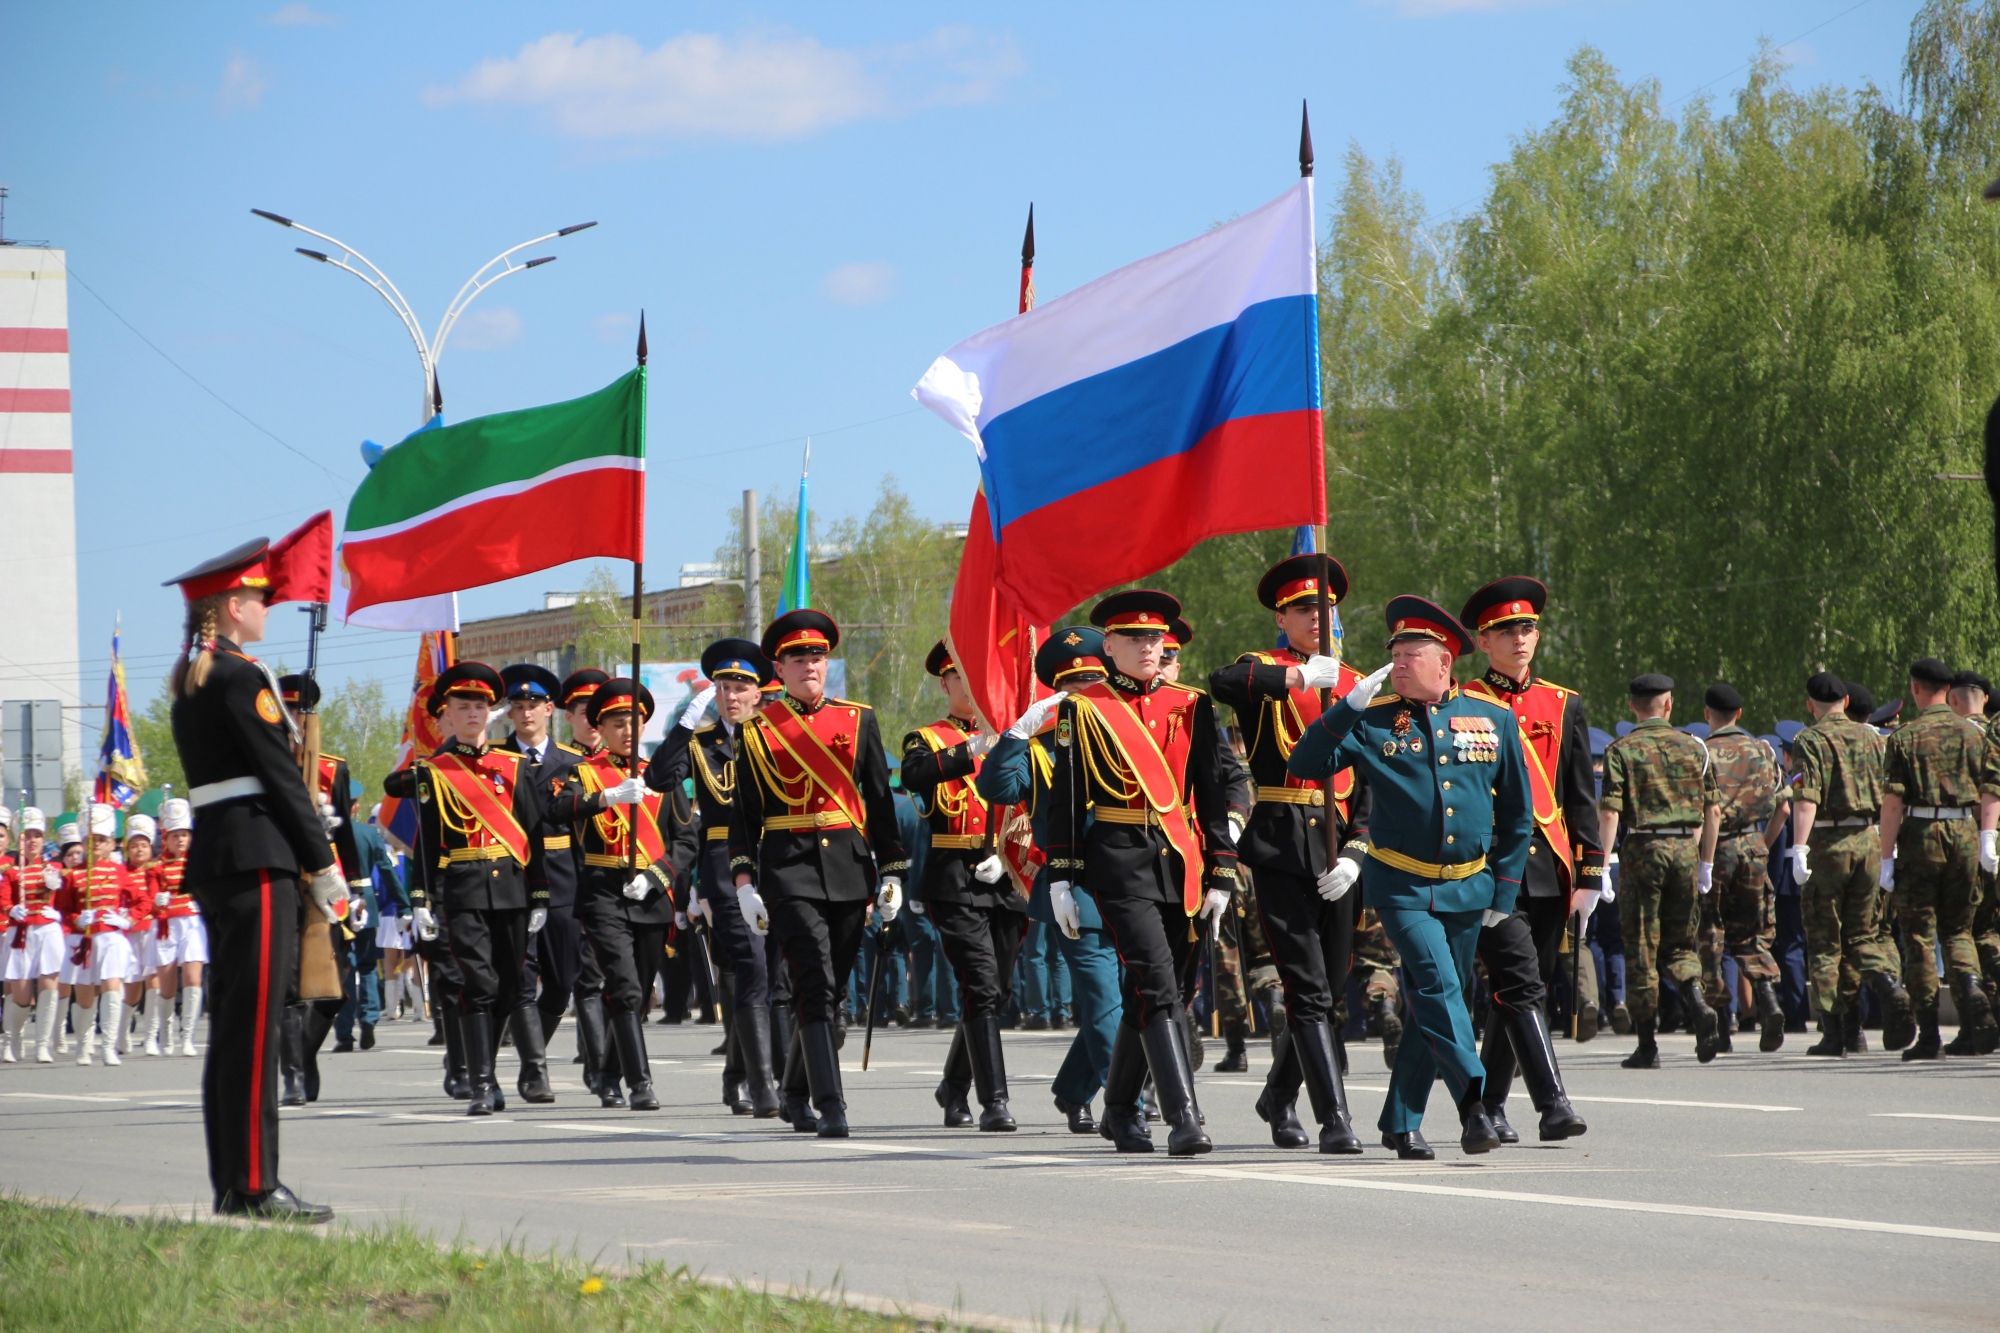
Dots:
{"x": 153, "y": 733}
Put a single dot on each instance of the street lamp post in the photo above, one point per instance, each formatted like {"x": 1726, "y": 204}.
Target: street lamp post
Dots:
{"x": 429, "y": 351}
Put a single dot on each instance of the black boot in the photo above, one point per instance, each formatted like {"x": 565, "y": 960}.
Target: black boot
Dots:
{"x": 1274, "y": 1009}
{"x": 1771, "y": 1017}
{"x": 956, "y": 1083}
{"x": 476, "y": 1032}
{"x": 1647, "y": 1054}
{"x": 1188, "y": 1038}
{"x": 317, "y": 1023}
{"x": 753, "y": 1037}
{"x": 456, "y": 1083}
{"x": 1899, "y": 1019}
{"x": 795, "y": 1105}
{"x": 1235, "y": 1059}
{"x": 1853, "y": 1041}
{"x": 1197, "y": 1050}
{"x": 1173, "y": 1082}
{"x": 291, "y": 1055}
{"x": 1391, "y": 1024}
{"x": 628, "y": 1033}
{"x": 989, "y": 1074}
{"x": 593, "y": 1038}
{"x": 1124, "y": 1124}
{"x": 1703, "y": 1019}
{"x": 1833, "y": 1036}
{"x": 1477, "y": 1134}
{"x": 1928, "y": 1045}
{"x": 822, "y": 1059}
{"x": 1975, "y": 1017}
{"x": 533, "y": 1081}
{"x": 1078, "y": 1115}
{"x": 1315, "y": 1046}
{"x": 1529, "y": 1030}
{"x": 1496, "y": 1053}
{"x": 734, "y": 1076}
{"x": 1278, "y": 1103}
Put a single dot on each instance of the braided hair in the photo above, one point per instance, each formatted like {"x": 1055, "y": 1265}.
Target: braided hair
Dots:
{"x": 198, "y": 644}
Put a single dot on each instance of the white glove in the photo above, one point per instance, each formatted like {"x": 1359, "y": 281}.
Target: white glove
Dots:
{"x": 163, "y": 899}
{"x": 1031, "y": 721}
{"x": 889, "y": 900}
{"x": 1062, "y": 905}
{"x": 1212, "y": 908}
{"x": 426, "y": 924}
{"x": 18, "y": 912}
{"x": 1586, "y": 903}
{"x": 1800, "y": 858}
{"x": 699, "y": 907}
{"x": 329, "y": 892}
{"x": 1704, "y": 876}
{"x": 990, "y": 871}
{"x": 1338, "y": 879}
{"x": 916, "y": 909}
{"x": 752, "y": 907}
{"x": 1320, "y": 673}
{"x": 1492, "y": 918}
{"x": 1367, "y": 688}
{"x": 52, "y": 878}
{"x": 629, "y": 792}
{"x": 979, "y": 742}
{"x": 640, "y": 886}
{"x": 680, "y": 920}
{"x": 1610, "y": 890}
{"x": 1886, "y": 875}
{"x": 117, "y": 920}
{"x": 691, "y": 715}
{"x": 327, "y": 817}
{"x": 1989, "y": 857}
{"x": 85, "y": 920}
{"x": 537, "y": 918}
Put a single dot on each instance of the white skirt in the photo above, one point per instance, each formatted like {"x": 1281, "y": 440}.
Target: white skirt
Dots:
{"x": 111, "y": 960}
{"x": 71, "y": 973}
{"x": 41, "y": 956}
{"x": 393, "y": 932}
{"x": 186, "y": 942}
{"x": 141, "y": 941}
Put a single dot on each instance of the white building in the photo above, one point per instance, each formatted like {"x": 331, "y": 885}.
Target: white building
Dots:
{"x": 38, "y": 608}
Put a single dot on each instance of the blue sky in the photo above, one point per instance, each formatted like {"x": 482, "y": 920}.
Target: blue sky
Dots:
{"x": 810, "y": 202}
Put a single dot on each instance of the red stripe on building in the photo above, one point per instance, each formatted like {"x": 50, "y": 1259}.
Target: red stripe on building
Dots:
{"x": 35, "y": 460}
{"x": 34, "y": 400}
{"x": 34, "y": 340}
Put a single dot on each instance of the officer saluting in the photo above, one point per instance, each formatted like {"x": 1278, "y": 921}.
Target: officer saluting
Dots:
{"x": 813, "y": 831}
{"x": 257, "y": 834}
{"x": 479, "y": 825}
{"x": 1449, "y": 833}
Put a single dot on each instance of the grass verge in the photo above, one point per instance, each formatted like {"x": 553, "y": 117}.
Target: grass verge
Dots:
{"x": 72, "y": 1271}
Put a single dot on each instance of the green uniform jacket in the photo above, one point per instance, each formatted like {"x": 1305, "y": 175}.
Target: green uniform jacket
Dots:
{"x": 1449, "y": 786}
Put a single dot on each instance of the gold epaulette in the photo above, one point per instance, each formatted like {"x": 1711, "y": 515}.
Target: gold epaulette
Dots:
{"x": 1385, "y": 698}
{"x": 850, "y": 703}
{"x": 569, "y": 749}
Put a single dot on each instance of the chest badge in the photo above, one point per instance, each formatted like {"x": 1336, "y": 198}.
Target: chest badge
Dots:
{"x": 1388, "y": 749}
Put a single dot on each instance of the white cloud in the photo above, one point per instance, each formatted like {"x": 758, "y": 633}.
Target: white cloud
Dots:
{"x": 860, "y": 284}
{"x": 1798, "y": 54}
{"x": 1424, "y": 9}
{"x": 615, "y": 327}
{"x": 763, "y": 85}
{"x": 485, "y": 330}
{"x": 298, "y": 14}
{"x": 243, "y": 84}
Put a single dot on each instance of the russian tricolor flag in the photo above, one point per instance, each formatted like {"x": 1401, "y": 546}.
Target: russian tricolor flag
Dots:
{"x": 1173, "y": 400}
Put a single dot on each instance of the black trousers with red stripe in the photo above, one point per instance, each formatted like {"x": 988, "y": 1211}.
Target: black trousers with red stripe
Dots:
{"x": 253, "y": 948}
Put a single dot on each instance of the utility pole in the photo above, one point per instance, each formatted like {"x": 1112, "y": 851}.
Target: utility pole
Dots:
{"x": 753, "y": 572}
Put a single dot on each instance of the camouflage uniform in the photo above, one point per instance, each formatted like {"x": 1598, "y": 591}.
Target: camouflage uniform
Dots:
{"x": 1933, "y": 764}
{"x": 1840, "y": 770}
{"x": 1375, "y": 961}
{"x": 1986, "y": 919}
{"x": 1739, "y": 916}
{"x": 1658, "y": 781}
{"x": 1243, "y": 943}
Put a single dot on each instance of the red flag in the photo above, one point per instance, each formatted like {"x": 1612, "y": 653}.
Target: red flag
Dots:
{"x": 992, "y": 643}
{"x": 422, "y": 733}
{"x": 300, "y": 563}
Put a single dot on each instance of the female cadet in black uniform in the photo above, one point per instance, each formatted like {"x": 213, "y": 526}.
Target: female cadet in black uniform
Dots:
{"x": 257, "y": 834}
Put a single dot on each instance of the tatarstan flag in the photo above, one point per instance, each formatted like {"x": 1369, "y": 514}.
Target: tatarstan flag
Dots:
{"x": 500, "y": 496}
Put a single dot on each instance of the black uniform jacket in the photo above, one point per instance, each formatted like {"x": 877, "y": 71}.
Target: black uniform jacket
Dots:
{"x": 827, "y": 862}
{"x": 558, "y": 839}
{"x": 234, "y": 727}
{"x": 948, "y": 876}
{"x": 1575, "y": 791}
{"x": 708, "y": 756}
{"x": 455, "y": 878}
{"x": 608, "y": 860}
{"x": 1282, "y": 836}
{"x": 1131, "y": 860}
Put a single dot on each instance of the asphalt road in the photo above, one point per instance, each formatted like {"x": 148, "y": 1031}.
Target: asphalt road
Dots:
{"x": 1766, "y": 1192}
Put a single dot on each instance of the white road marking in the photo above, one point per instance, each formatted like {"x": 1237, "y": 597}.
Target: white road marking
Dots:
{"x": 1613, "y": 1205}
{"x": 460, "y": 1119}
{"x": 1926, "y": 1115}
{"x": 62, "y": 1097}
{"x": 1706, "y": 1106}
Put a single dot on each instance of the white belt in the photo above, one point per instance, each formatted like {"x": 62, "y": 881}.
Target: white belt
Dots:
{"x": 1939, "y": 812}
{"x": 1852, "y": 821}
{"x": 229, "y": 789}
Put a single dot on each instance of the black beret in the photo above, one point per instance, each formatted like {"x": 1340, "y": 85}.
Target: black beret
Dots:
{"x": 1723, "y": 698}
{"x": 1930, "y": 671}
{"x": 1650, "y": 684}
{"x": 1860, "y": 701}
{"x": 1971, "y": 680}
{"x": 1823, "y": 687}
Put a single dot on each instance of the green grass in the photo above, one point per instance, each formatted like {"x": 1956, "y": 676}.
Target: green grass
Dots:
{"x": 65, "y": 1270}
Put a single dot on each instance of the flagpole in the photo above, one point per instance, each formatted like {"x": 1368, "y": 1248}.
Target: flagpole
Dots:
{"x": 638, "y": 611}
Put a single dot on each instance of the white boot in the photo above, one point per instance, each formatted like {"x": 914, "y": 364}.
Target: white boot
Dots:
{"x": 190, "y": 1011}
{"x": 112, "y": 1005}
{"x": 172, "y": 1024}
{"x": 64, "y": 1043}
{"x": 48, "y": 1017}
{"x": 85, "y": 1023}
{"x": 149, "y": 1021}
{"x": 17, "y": 1018}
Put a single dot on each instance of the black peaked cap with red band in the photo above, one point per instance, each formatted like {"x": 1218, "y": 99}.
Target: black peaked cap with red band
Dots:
{"x": 1296, "y": 577}
{"x": 1412, "y": 617}
{"x": 618, "y": 695}
{"x": 1179, "y": 634}
{"x": 1142, "y": 609}
{"x": 580, "y": 684}
{"x": 299, "y": 692}
{"x": 803, "y": 628}
{"x": 470, "y": 680}
{"x": 1505, "y": 601}
{"x": 939, "y": 661}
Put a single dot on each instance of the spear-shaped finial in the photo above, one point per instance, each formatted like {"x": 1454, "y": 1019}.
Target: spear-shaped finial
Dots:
{"x": 437, "y": 394}
{"x": 1028, "y": 264}
{"x": 642, "y": 337}
{"x": 1305, "y": 140}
